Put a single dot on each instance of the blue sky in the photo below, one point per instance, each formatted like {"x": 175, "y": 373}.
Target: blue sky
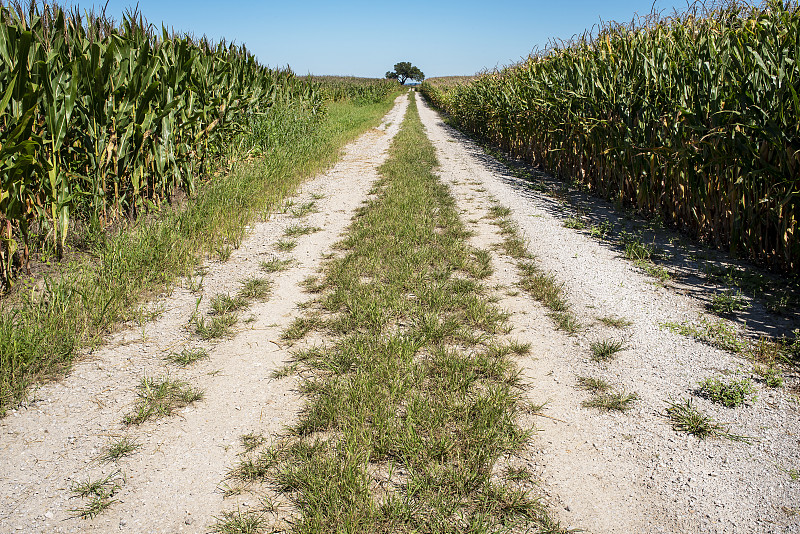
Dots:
{"x": 366, "y": 38}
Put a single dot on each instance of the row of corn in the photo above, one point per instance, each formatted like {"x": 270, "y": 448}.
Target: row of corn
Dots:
{"x": 358, "y": 90}
{"x": 694, "y": 118}
{"x": 100, "y": 121}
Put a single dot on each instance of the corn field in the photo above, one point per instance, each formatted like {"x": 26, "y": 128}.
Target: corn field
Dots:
{"x": 101, "y": 121}
{"x": 694, "y": 118}
{"x": 359, "y": 90}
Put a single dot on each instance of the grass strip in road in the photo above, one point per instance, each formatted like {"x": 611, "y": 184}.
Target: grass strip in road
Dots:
{"x": 44, "y": 327}
{"x": 411, "y": 423}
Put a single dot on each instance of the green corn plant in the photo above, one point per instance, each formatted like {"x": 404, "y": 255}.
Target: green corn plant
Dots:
{"x": 693, "y": 117}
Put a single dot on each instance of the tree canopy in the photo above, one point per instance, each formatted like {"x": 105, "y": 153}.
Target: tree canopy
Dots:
{"x": 405, "y": 71}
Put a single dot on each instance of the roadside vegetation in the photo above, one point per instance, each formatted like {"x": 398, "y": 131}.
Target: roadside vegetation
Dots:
{"x": 412, "y": 402}
{"x": 95, "y": 256}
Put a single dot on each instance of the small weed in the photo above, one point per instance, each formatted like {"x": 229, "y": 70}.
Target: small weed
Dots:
{"x": 187, "y": 356}
{"x": 635, "y": 250}
{"x": 224, "y": 252}
{"x": 606, "y": 349}
{"x": 728, "y": 393}
{"x": 656, "y": 271}
{"x": 611, "y": 401}
{"x": 771, "y": 374}
{"x": 518, "y": 474}
{"x": 215, "y": 327}
{"x": 251, "y": 441}
{"x": 686, "y": 418}
{"x": 574, "y": 223}
{"x": 159, "y": 397}
{"x": 300, "y": 327}
{"x": 283, "y": 372}
{"x": 728, "y": 303}
{"x": 615, "y": 322}
{"x": 286, "y": 245}
{"x": 600, "y": 231}
{"x": 254, "y": 289}
{"x": 499, "y": 212}
{"x": 718, "y": 334}
{"x": 304, "y": 209}
{"x": 300, "y": 229}
{"x": 594, "y": 385}
{"x": 239, "y": 522}
{"x": 222, "y": 304}
{"x": 119, "y": 448}
{"x": 99, "y": 493}
{"x": 276, "y": 264}
{"x": 566, "y": 321}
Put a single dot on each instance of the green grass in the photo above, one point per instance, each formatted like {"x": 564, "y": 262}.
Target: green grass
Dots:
{"x": 254, "y": 289}
{"x": 159, "y": 397}
{"x": 215, "y": 327}
{"x": 605, "y": 350}
{"x": 413, "y": 386}
{"x": 99, "y": 493}
{"x": 276, "y": 265}
{"x": 715, "y": 333}
{"x": 593, "y": 385}
{"x": 300, "y": 229}
{"x": 285, "y": 245}
{"x": 119, "y": 448}
{"x": 222, "y": 304}
{"x": 42, "y": 331}
{"x": 686, "y": 418}
{"x": 611, "y": 401}
{"x": 187, "y": 356}
{"x": 728, "y": 303}
{"x": 730, "y": 393}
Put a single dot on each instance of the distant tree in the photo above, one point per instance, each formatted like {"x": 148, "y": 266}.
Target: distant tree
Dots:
{"x": 405, "y": 71}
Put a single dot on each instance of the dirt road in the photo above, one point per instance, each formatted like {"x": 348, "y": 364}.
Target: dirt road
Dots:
{"x": 600, "y": 471}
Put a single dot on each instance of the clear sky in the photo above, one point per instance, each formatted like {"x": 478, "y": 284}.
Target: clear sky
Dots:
{"x": 366, "y": 38}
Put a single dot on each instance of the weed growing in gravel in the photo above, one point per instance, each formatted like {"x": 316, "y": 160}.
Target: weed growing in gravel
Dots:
{"x": 730, "y": 393}
{"x": 771, "y": 374}
{"x": 215, "y": 327}
{"x": 99, "y": 492}
{"x": 605, "y": 350}
{"x": 251, "y": 441}
{"x": 518, "y": 474}
{"x": 635, "y": 249}
{"x": 304, "y": 209}
{"x": 611, "y": 401}
{"x": 300, "y": 229}
{"x": 284, "y": 371}
{"x": 615, "y": 322}
{"x": 276, "y": 264}
{"x": 239, "y": 522}
{"x": 223, "y": 303}
{"x": 118, "y": 448}
{"x": 728, "y": 303}
{"x": 300, "y": 327}
{"x": 159, "y": 397}
{"x": 574, "y": 223}
{"x": 187, "y": 356}
{"x": 601, "y": 231}
{"x": 254, "y": 289}
{"x": 545, "y": 288}
{"x": 686, "y": 418}
{"x": 286, "y": 245}
{"x": 715, "y": 333}
{"x": 224, "y": 252}
{"x": 656, "y": 271}
{"x": 593, "y": 385}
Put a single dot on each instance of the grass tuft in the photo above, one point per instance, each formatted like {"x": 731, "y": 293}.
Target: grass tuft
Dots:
{"x": 158, "y": 397}
{"x": 119, "y": 448}
{"x": 605, "y": 350}
{"x": 730, "y": 393}
{"x": 686, "y": 418}
{"x": 187, "y": 356}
